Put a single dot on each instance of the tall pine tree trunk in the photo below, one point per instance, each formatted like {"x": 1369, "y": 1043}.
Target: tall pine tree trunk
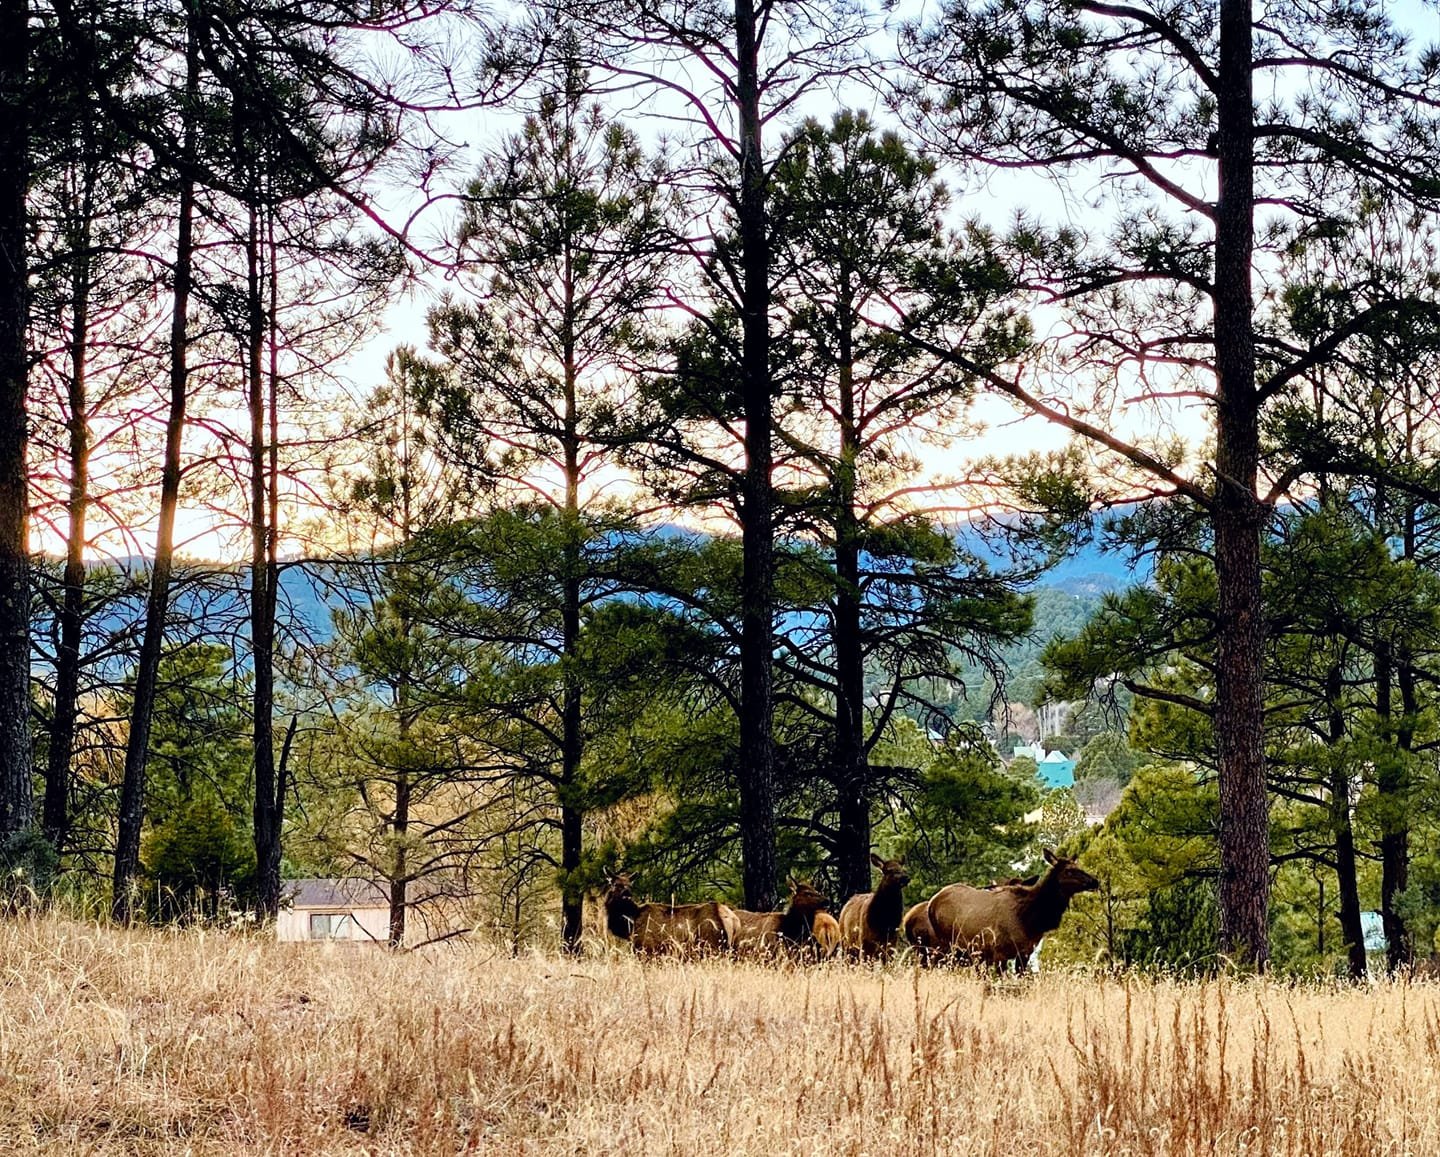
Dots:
{"x": 1237, "y": 515}
{"x": 400, "y": 825}
{"x": 1395, "y": 788}
{"x": 1393, "y": 773}
{"x": 16, "y": 797}
{"x": 55, "y": 813}
{"x": 404, "y": 785}
{"x": 1347, "y": 875}
{"x": 1392, "y": 786}
{"x": 132, "y": 789}
{"x": 1395, "y": 842}
{"x": 572, "y": 738}
{"x": 400, "y": 876}
{"x": 572, "y": 812}
{"x": 263, "y": 575}
{"x": 851, "y": 764}
{"x": 757, "y": 505}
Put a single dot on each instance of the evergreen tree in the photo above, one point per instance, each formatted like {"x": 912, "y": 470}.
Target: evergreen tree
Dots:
{"x": 967, "y": 819}
{"x": 16, "y": 101}
{"x": 1359, "y": 440}
{"x": 735, "y": 68}
{"x": 532, "y": 387}
{"x": 858, "y": 226}
{"x": 195, "y": 850}
{"x": 94, "y": 294}
{"x": 1162, "y": 100}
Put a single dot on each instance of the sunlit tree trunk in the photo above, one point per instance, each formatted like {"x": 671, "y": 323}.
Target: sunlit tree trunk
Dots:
{"x": 263, "y": 569}
{"x": 132, "y": 789}
{"x": 55, "y": 813}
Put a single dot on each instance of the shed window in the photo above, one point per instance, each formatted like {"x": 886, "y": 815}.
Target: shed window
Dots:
{"x": 332, "y": 926}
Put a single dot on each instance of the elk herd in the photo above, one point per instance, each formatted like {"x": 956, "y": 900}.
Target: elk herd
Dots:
{"x": 990, "y": 926}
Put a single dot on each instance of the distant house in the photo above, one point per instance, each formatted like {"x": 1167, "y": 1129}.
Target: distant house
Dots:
{"x": 1056, "y": 768}
{"x": 353, "y": 911}
{"x": 1372, "y": 927}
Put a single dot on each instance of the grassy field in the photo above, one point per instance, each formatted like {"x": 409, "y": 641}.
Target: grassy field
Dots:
{"x": 183, "y": 1042}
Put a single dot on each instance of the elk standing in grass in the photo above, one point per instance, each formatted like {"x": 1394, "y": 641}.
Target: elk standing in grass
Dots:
{"x": 765, "y": 933}
{"x": 826, "y": 931}
{"x": 920, "y": 933}
{"x": 676, "y": 929}
{"x": 999, "y": 924}
{"x": 870, "y": 922}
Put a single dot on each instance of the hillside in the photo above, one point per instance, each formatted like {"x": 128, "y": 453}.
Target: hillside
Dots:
{"x": 213, "y": 599}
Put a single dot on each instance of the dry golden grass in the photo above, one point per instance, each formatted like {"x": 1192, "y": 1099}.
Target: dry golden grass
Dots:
{"x": 165, "y": 1042}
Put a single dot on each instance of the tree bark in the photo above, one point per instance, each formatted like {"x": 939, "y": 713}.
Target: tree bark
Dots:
{"x": 1392, "y": 779}
{"x": 1237, "y": 516}
{"x": 404, "y": 786}
{"x": 1346, "y": 872}
{"x": 1391, "y": 784}
{"x": 132, "y": 789}
{"x": 55, "y": 813}
{"x": 400, "y": 878}
{"x": 572, "y": 738}
{"x": 1395, "y": 837}
{"x": 16, "y": 794}
{"x": 400, "y": 819}
{"x": 1351, "y": 929}
{"x": 756, "y": 772}
{"x": 851, "y": 763}
{"x": 263, "y": 575}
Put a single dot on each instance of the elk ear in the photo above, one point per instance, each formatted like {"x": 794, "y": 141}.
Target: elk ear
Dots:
{"x": 877, "y": 861}
{"x": 1049, "y": 856}
{"x": 901, "y": 861}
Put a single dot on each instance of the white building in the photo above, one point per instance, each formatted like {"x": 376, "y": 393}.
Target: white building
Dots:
{"x": 354, "y": 911}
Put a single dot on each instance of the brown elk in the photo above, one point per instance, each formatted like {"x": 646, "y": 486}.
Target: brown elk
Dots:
{"x": 920, "y": 933}
{"x": 826, "y": 931}
{"x": 676, "y": 929}
{"x": 870, "y": 922}
{"x": 764, "y": 933}
{"x": 1004, "y": 923}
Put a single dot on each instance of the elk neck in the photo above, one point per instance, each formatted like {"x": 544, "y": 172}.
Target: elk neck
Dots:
{"x": 887, "y": 905}
{"x": 1041, "y": 905}
{"x": 621, "y": 912}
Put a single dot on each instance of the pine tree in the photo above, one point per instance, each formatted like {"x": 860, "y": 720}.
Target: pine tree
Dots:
{"x": 858, "y": 226}
{"x": 568, "y": 229}
{"x": 1163, "y": 102}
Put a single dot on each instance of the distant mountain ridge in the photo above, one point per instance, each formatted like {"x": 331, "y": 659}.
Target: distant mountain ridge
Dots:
{"x": 311, "y": 592}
